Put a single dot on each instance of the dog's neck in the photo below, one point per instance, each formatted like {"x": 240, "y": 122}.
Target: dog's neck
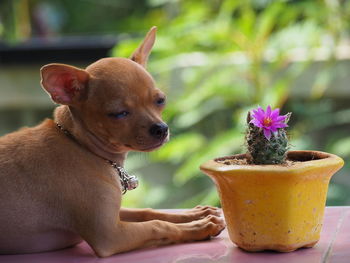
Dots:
{"x": 63, "y": 115}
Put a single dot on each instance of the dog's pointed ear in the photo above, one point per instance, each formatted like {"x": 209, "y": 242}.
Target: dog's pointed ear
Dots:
{"x": 66, "y": 84}
{"x": 141, "y": 54}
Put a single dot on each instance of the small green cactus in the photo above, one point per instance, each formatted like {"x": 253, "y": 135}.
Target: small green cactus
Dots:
{"x": 266, "y": 138}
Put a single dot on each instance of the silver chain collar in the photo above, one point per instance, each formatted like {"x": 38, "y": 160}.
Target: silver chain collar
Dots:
{"x": 128, "y": 182}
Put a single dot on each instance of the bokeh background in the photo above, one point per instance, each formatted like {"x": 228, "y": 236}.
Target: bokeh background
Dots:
{"x": 216, "y": 59}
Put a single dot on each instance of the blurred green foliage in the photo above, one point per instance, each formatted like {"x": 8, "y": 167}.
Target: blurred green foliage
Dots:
{"x": 22, "y": 19}
{"x": 219, "y": 59}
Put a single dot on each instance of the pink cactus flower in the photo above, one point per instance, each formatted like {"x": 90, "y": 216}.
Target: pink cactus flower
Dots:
{"x": 268, "y": 121}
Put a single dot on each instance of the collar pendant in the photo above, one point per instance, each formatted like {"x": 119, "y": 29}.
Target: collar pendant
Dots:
{"x": 128, "y": 182}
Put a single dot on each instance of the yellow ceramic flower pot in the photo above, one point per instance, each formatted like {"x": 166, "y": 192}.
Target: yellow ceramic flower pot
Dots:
{"x": 274, "y": 207}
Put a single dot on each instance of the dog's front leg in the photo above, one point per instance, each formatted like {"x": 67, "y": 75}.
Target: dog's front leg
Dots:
{"x": 108, "y": 238}
{"x": 147, "y": 214}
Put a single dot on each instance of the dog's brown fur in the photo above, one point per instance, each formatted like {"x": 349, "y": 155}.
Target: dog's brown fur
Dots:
{"x": 56, "y": 191}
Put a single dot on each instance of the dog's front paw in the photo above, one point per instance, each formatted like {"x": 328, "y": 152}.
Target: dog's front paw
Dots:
{"x": 200, "y": 212}
{"x": 204, "y": 228}
{"x": 193, "y": 214}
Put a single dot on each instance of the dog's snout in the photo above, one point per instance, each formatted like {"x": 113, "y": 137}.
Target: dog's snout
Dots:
{"x": 159, "y": 130}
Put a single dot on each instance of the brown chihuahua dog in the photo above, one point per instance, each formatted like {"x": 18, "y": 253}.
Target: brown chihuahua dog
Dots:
{"x": 57, "y": 184}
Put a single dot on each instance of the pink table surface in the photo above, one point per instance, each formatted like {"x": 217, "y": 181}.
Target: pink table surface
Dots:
{"x": 334, "y": 246}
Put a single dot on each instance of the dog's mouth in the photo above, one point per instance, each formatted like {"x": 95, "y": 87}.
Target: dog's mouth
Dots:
{"x": 151, "y": 147}
{"x": 144, "y": 144}
{"x": 154, "y": 146}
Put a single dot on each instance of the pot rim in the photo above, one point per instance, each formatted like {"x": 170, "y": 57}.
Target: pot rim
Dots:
{"x": 309, "y": 159}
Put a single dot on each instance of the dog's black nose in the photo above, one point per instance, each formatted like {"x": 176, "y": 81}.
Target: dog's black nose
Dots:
{"x": 159, "y": 130}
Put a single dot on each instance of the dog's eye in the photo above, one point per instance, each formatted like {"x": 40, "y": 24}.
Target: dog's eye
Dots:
{"x": 160, "y": 101}
{"x": 119, "y": 115}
